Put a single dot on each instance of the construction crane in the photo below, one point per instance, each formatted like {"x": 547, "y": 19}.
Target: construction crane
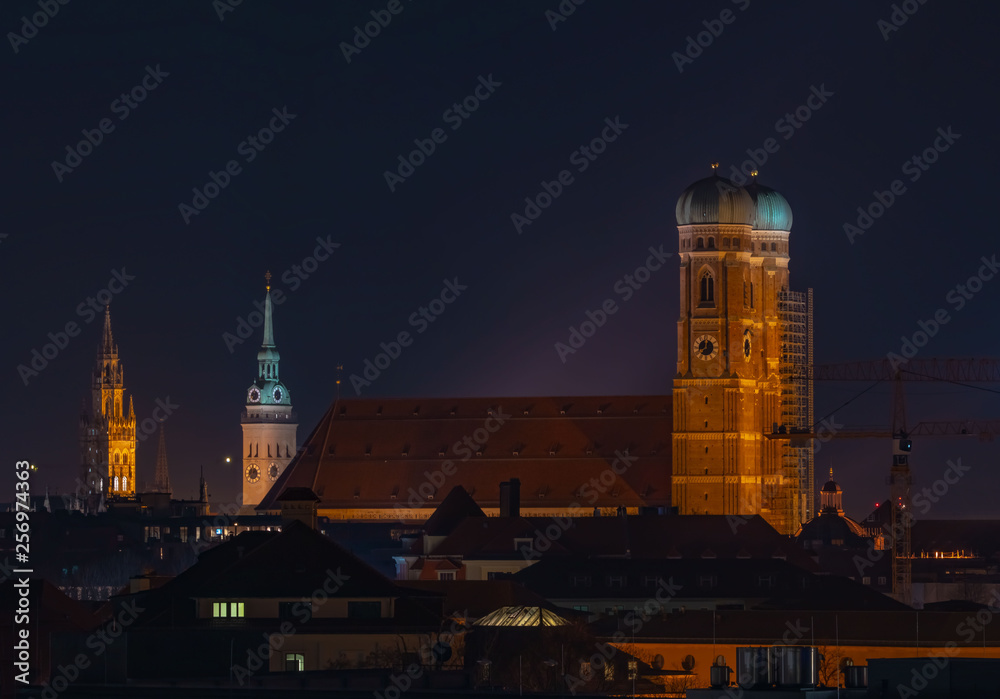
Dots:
{"x": 961, "y": 372}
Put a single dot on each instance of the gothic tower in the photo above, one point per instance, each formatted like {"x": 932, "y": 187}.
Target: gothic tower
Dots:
{"x": 269, "y": 424}
{"x": 733, "y": 245}
{"x": 107, "y": 431}
{"x": 161, "y": 481}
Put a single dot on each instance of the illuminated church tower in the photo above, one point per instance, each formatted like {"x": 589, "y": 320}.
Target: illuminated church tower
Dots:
{"x": 727, "y": 394}
{"x": 269, "y": 425}
{"x": 107, "y": 431}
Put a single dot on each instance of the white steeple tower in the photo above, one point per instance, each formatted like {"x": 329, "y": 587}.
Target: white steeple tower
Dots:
{"x": 269, "y": 424}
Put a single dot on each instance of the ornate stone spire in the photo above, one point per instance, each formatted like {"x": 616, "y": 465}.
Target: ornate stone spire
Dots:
{"x": 162, "y": 478}
{"x": 107, "y": 343}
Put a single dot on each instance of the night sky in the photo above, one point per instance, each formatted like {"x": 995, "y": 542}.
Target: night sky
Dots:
{"x": 218, "y": 82}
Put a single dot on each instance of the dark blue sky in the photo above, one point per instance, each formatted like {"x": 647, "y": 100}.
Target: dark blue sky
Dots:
{"x": 218, "y": 82}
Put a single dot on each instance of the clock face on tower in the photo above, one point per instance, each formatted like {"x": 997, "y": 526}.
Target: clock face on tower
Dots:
{"x": 706, "y": 347}
{"x": 277, "y": 394}
{"x": 272, "y": 472}
{"x": 254, "y": 395}
{"x": 253, "y": 473}
{"x": 746, "y": 343}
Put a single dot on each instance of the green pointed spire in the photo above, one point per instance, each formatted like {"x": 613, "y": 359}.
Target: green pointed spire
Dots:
{"x": 268, "y": 329}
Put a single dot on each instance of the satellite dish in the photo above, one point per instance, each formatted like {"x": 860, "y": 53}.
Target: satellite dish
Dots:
{"x": 657, "y": 662}
{"x": 688, "y": 663}
{"x": 720, "y": 661}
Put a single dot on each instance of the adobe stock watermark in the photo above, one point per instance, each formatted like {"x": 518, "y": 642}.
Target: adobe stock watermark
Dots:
{"x": 582, "y": 157}
{"x": 900, "y": 15}
{"x": 958, "y": 296}
{"x": 363, "y": 37}
{"x": 915, "y": 167}
{"x": 401, "y": 683}
{"x": 562, "y": 12}
{"x": 590, "y": 491}
{"x": 30, "y": 26}
{"x": 454, "y": 116}
{"x": 624, "y": 288}
{"x": 60, "y": 339}
{"x": 164, "y": 409}
{"x": 470, "y": 444}
{"x": 221, "y": 7}
{"x": 121, "y": 107}
{"x": 697, "y": 44}
{"x": 97, "y": 644}
{"x": 666, "y": 590}
{"x": 249, "y": 148}
{"x": 932, "y": 494}
{"x": 787, "y": 126}
{"x": 924, "y": 500}
{"x": 293, "y": 276}
{"x": 303, "y": 611}
{"x": 420, "y": 319}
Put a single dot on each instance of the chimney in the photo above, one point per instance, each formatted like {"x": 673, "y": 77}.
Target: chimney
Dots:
{"x": 510, "y": 498}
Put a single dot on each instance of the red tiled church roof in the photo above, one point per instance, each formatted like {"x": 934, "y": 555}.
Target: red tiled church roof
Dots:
{"x": 375, "y": 453}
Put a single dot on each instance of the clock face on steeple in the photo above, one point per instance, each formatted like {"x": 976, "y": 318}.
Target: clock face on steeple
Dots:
{"x": 253, "y": 473}
{"x": 277, "y": 394}
{"x": 747, "y": 345}
{"x": 254, "y": 395}
{"x": 272, "y": 471}
{"x": 706, "y": 347}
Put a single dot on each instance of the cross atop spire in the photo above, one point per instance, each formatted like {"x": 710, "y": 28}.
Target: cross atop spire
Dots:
{"x": 267, "y": 278}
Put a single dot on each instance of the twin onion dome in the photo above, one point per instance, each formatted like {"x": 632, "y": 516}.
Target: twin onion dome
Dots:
{"x": 716, "y": 199}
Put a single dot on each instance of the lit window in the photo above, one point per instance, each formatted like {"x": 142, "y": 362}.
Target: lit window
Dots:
{"x": 881, "y": 580}
{"x": 295, "y": 662}
{"x": 609, "y": 672}
{"x": 866, "y": 580}
{"x": 232, "y": 610}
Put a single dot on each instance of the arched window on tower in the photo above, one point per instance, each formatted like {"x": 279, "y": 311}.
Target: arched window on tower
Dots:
{"x": 116, "y": 484}
{"x": 774, "y": 246}
{"x": 117, "y": 458}
{"x": 725, "y": 242}
{"x": 711, "y": 243}
{"x": 707, "y": 288}
{"x": 124, "y": 482}
{"x": 700, "y": 245}
{"x": 125, "y": 458}
{"x": 751, "y": 294}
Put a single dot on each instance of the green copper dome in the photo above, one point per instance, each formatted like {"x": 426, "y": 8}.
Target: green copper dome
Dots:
{"x": 714, "y": 200}
{"x": 771, "y": 210}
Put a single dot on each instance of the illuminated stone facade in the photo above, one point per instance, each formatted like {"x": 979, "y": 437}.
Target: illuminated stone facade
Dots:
{"x": 733, "y": 244}
{"x": 269, "y": 424}
{"x": 107, "y": 431}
